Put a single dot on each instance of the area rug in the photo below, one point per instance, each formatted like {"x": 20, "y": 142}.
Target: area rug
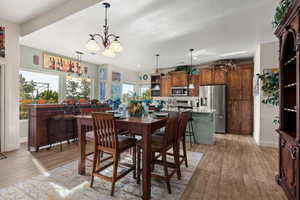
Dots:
{"x": 64, "y": 183}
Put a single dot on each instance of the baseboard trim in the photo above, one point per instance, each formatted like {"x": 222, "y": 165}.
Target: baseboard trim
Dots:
{"x": 23, "y": 140}
{"x": 268, "y": 144}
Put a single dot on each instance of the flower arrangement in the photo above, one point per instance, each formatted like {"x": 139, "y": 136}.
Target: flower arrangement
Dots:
{"x": 135, "y": 108}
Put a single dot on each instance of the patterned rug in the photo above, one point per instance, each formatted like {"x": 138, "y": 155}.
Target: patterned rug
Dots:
{"x": 64, "y": 183}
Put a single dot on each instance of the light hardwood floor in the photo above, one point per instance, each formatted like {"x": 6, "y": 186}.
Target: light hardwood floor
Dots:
{"x": 234, "y": 168}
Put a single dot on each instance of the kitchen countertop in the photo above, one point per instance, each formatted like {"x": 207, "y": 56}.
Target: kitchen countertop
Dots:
{"x": 195, "y": 110}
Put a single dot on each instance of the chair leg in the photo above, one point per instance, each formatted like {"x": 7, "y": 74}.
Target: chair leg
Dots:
{"x": 134, "y": 161}
{"x": 184, "y": 151}
{"x": 190, "y": 134}
{"x": 176, "y": 159}
{"x": 138, "y": 166}
{"x": 95, "y": 160}
{"x": 115, "y": 173}
{"x": 165, "y": 164}
{"x": 193, "y": 133}
{"x": 152, "y": 161}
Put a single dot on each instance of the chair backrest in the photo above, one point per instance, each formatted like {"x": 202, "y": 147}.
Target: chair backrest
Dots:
{"x": 105, "y": 131}
{"x": 89, "y": 111}
{"x": 171, "y": 129}
{"x": 183, "y": 121}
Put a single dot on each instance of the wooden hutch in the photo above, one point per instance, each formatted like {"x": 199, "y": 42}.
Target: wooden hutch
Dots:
{"x": 288, "y": 33}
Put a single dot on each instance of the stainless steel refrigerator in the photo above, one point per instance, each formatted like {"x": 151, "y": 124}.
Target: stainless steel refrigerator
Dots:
{"x": 214, "y": 97}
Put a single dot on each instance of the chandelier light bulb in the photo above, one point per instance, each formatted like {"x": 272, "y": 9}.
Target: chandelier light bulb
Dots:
{"x": 92, "y": 46}
{"x": 108, "y": 53}
{"x": 116, "y": 46}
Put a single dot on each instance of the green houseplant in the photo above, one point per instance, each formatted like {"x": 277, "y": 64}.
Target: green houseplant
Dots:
{"x": 270, "y": 87}
{"x": 281, "y": 11}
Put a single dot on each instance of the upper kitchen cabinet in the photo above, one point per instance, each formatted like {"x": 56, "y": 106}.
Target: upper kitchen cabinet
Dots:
{"x": 219, "y": 76}
{"x": 179, "y": 79}
{"x": 166, "y": 86}
{"x": 206, "y": 77}
{"x": 239, "y": 82}
{"x": 195, "y": 81}
{"x": 211, "y": 76}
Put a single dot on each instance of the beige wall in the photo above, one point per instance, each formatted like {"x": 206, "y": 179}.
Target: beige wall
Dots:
{"x": 127, "y": 76}
{"x": 10, "y": 125}
{"x": 264, "y": 128}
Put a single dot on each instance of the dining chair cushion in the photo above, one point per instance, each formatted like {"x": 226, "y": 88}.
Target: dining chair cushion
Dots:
{"x": 90, "y": 135}
{"x": 126, "y": 142}
{"x": 156, "y": 142}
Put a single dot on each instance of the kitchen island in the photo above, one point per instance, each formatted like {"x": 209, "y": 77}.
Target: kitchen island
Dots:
{"x": 203, "y": 124}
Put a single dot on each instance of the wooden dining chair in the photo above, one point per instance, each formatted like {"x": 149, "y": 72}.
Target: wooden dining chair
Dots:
{"x": 183, "y": 122}
{"x": 161, "y": 144}
{"x": 107, "y": 140}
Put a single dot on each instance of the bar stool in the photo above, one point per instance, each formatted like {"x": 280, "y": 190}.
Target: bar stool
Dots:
{"x": 190, "y": 129}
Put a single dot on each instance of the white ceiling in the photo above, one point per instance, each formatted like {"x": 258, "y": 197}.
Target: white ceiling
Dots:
{"x": 21, "y": 11}
{"x": 169, "y": 27}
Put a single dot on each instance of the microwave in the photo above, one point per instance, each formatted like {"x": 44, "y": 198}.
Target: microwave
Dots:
{"x": 179, "y": 91}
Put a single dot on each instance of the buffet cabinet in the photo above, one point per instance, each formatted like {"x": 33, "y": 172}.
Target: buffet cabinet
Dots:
{"x": 40, "y": 117}
{"x": 288, "y": 33}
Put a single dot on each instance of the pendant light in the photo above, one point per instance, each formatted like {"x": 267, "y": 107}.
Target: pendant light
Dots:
{"x": 157, "y": 86}
{"x": 109, "y": 42}
{"x": 191, "y": 85}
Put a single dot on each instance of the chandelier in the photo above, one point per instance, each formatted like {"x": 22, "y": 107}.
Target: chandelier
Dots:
{"x": 108, "y": 42}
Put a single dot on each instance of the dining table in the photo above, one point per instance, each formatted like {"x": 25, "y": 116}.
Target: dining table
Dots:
{"x": 144, "y": 126}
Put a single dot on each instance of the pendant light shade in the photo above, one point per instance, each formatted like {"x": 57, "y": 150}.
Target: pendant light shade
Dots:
{"x": 115, "y": 46}
{"x": 92, "y": 46}
{"x": 109, "y": 53}
{"x": 191, "y": 85}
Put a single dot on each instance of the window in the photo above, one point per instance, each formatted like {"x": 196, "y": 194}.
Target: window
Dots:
{"x": 37, "y": 88}
{"x": 127, "y": 88}
{"x": 78, "y": 89}
{"x": 144, "y": 89}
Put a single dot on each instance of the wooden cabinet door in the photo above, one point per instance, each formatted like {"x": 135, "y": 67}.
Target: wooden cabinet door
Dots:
{"x": 206, "y": 77}
{"x": 234, "y": 84}
{"x": 240, "y": 117}
{"x": 233, "y": 116}
{"x": 288, "y": 155}
{"x": 219, "y": 76}
{"x": 195, "y": 81}
{"x": 246, "y": 117}
{"x": 165, "y": 86}
{"x": 246, "y": 74}
{"x": 179, "y": 79}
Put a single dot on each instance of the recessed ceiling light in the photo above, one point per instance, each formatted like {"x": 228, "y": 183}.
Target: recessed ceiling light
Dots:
{"x": 233, "y": 53}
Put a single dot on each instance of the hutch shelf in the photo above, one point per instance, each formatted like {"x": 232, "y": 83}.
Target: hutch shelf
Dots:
{"x": 288, "y": 33}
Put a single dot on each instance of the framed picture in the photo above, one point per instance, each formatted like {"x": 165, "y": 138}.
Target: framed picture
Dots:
{"x": 116, "y": 77}
{"x": 63, "y": 65}
{"x": 2, "y": 42}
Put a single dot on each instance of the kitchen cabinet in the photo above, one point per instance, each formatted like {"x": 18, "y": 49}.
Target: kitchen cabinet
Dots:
{"x": 240, "y": 100}
{"x": 212, "y": 77}
{"x": 179, "y": 79}
{"x": 219, "y": 76}
{"x": 206, "y": 77}
{"x": 195, "y": 80}
{"x": 239, "y": 117}
{"x": 166, "y": 86}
